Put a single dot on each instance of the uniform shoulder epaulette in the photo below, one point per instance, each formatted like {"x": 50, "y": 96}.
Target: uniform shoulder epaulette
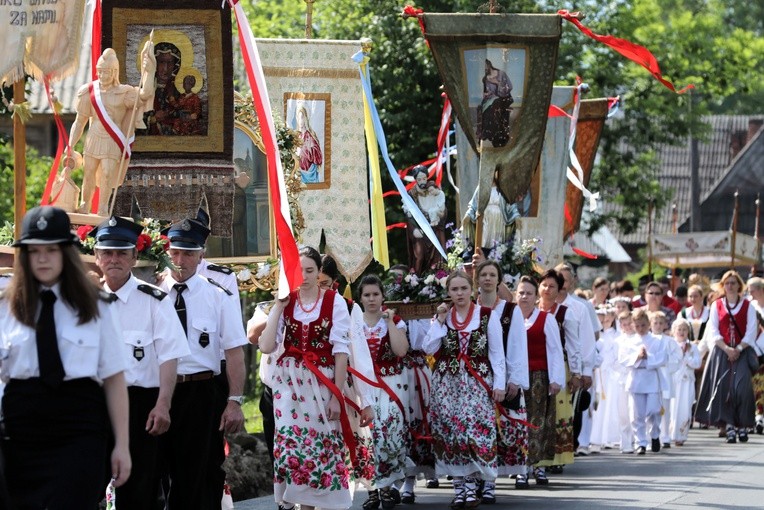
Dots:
{"x": 152, "y": 291}
{"x": 109, "y": 297}
{"x": 219, "y": 269}
{"x": 216, "y": 284}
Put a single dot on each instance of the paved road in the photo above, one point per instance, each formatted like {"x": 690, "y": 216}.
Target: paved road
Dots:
{"x": 704, "y": 474}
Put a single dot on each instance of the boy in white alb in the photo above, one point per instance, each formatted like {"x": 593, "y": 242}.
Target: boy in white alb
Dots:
{"x": 643, "y": 354}
{"x": 658, "y": 325}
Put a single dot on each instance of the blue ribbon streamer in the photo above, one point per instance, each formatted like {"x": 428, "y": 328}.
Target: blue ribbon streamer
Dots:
{"x": 413, "y": 208}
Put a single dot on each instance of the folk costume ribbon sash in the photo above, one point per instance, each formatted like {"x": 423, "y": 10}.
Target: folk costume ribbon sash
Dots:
{"x": 111, "y": 127}
{"x": 464, "y": 358}
{"x": 309, "y": 359}
{"x": 290, "y": 274}
{"x": 378, "y": 133}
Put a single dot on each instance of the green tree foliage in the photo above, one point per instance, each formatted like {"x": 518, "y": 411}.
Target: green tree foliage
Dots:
{"x": 38, "y": 168}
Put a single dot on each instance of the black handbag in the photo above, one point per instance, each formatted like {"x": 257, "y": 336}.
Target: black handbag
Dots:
{"x": 512, "y": 404}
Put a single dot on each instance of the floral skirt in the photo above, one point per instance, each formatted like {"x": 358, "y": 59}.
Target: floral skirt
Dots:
{"x": 365, "y": 463}
{"x": 512, "y": 441}
{"x": 312, "y": 464}
{"x": 463, "y": 425}
{"x": 564, "y": 429}
{"x": 391, "y": 435}
{"x": 419, "y": 381}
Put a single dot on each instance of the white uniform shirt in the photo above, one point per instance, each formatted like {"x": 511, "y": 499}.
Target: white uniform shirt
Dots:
{"x": 555, "y": 358}
{"x": 517, "y": 347}
{"x": 227, "y": 280}
{"x": 571, "y": 325}
{"x": 151, "y": 331}
{"x": 208, "y": 310}
{"x": 432, "y": 342}
{"x": 89, "y": 350}
{"x": 586, "y": 338}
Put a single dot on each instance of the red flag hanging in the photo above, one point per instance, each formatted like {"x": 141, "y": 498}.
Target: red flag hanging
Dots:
{"x": 628, "y": 49}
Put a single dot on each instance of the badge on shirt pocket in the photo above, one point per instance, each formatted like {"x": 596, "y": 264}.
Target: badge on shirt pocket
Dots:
{"x": 138, "y": 353}
{"x": 204, "y": 339}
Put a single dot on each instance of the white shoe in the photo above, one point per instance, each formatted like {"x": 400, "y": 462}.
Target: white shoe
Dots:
{"x": 583, "y": 451}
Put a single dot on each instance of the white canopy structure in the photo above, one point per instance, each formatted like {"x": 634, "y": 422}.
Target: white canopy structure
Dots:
{"x": 704, "y": 249}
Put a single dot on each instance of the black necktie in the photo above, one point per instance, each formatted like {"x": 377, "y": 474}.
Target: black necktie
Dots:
{"x": 180, "y": 304}
{"x": 48, "y": 356}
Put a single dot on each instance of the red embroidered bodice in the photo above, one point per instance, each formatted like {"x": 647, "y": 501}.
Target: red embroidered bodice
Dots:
{"x": 385, "y": 360}
{"x": 311, "y": 337}
{"x": 731, "y": 335}
{"x": 537, "y": 344}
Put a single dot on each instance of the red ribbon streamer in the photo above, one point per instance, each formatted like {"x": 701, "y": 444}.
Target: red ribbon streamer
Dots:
{"x": 289, "y": 252}
{"x": 95, "y": 40}
{"x": 396, "y": 225}
{"x": 63, "y": 143}
{"x": 582, "y": 253}
{"x": 484, "y": 384}
{"x": 634, "y": 52}
{"x": 445, "y": 116}
{"x": 308, "y": 359}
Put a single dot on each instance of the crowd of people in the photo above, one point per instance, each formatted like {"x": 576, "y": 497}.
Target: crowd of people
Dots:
{"x": 498, "y": 382}
{"x": 135, "y": 385}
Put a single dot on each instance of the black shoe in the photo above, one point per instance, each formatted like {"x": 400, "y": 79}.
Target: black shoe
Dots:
{"x": 554, "y": 470}
{"x": 408, "y": 498}
{"x": 641, "y": 450}
{"x": 396, "y": 495}
{"x": 479, "y": 484}
{"x": 656, "y": 445}
{"x": 666, "y": 445}
{"x": 387, "y": 497}
{"x": 731, "y": 436}
{"x": 373, "y": 502}
{"x": 432, "y": 484}
{"x": 521, "y": 482}
{"x": 742, "y": 435}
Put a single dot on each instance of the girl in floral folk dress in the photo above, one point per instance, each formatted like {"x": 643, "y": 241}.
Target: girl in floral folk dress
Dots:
{"x": 385, "y": 333}
{"x": 468, "y": 378}
{"x": 512, "y": 442}
{"x": 311, "y": 449}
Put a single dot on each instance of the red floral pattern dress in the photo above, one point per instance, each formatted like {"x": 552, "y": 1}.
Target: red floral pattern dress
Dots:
{"x": 312, "y": 464}
{"x": 390, "y": 432}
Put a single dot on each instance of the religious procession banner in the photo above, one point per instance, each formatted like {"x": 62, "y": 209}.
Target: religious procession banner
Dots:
{"x": 544, "y": 212}
{"x": 498, "y": 71}
{"x": 316, "y": 89}
{"x": 591, "y": 120}
{"x": 40, "y": 38}
{"x": 183, "y": 158}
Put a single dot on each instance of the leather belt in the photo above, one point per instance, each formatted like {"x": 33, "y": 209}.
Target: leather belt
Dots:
{"x": 199, "y": 376}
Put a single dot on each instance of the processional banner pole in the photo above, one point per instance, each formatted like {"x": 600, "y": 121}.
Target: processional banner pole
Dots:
{"x": 19, "y": 162}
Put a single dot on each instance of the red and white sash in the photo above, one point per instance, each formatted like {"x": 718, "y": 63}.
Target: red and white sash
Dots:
{"x": 115, "y": 132}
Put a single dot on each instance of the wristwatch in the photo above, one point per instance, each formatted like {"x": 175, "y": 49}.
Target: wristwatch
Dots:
{"x": 237, "y": 398}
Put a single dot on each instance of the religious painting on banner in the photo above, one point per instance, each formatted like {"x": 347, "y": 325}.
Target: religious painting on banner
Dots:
{"x": 498, "y": 71}
{"x": 311, "y": 116}
{"x": 184, "y": 156}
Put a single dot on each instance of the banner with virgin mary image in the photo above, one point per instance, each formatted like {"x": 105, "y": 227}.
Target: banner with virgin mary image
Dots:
{"x": 315, "y": 87}
{"x": 498, "y": 71}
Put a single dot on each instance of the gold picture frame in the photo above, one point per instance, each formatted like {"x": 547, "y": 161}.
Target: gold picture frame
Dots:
{"x": 202, "y": 52}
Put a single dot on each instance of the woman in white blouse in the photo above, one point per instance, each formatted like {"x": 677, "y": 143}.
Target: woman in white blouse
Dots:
{"x": 726, "y": 394}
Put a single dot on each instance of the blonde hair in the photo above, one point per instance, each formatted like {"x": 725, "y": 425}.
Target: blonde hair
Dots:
{"x": 681, "y": 321}
{"x": 639, "y": 314}
{"x": 732, "y": 274}
{"x": 657, "y": 315}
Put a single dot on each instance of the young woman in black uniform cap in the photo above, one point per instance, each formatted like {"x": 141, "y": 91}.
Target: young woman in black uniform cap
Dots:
{"x": 64, "y": 377}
